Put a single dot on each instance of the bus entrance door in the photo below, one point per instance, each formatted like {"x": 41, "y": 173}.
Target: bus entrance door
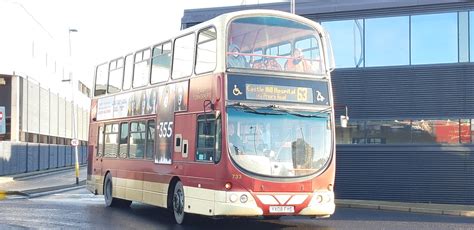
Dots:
{"x": 99, "y": 153}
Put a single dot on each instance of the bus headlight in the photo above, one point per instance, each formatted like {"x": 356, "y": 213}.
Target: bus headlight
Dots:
{"x": 321, "y": 197}
{"x": 233, "y": 198}
{"x": 244, "y": 198}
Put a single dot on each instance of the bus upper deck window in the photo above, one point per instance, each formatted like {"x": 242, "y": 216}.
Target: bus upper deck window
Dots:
{"x": 267, "y": 43}
{"x": 115, "y": 76}
{"x": 183, "y": 56}
{"x": 128, "y": 72}
{"x": 101, "y": 80}
{"x": 161, "y": 63}
{"x": 141, "y": 69}
{"x": 206, "y": 51}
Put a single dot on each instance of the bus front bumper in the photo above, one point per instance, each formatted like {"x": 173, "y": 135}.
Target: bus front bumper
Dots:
{"x": 320, "y": 210}
{"x": 233, "y": 206}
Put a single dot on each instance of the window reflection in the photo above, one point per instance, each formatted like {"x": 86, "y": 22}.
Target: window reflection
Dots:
{"x": 137, "y": 140}
{"x": 435, "y": 131}
{"x": 111, "y": 140}
{"x": 465, "y": 131}
{"x": 471, "y": 34}
{"x": 115, "y": 76}
{"x": 434, "y": 38}
{"x": 275, "y": 44}
{"x": 449, "y": 131}
{"x": 161, "y": 63}
{"x": 463, "y": 36}
{"x": 353, "y": 134}
{"x": 387, "y": 41}
{"x": 142, "y": 68}
{"x": 101, "y": 76}
{"x": 128, "y": 72}
{"x": 183, "y": 56}
{"x": 123, "y": 142}
{"x": 347, "y": 40}
{"x": 206, "y": 51}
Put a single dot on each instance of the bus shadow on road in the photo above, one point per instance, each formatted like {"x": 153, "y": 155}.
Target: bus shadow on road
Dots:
{"x": 162, "y": 219}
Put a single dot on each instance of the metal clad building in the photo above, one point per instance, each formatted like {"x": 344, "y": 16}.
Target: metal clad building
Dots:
{"x": 405, "y": 70}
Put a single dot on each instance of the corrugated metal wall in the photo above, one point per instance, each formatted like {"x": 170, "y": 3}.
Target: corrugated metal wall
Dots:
{"x": 414, "y": 173}
{"x": 430, "y": 91}
{"x": 427, "y": 174}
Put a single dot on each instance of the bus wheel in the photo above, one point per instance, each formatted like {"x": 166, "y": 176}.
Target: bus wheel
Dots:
{"x": 110, "y": 201}
{"x": 178, "y": 202}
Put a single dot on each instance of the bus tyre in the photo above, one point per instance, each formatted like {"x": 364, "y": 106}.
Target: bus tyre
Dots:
{"x": 178, "y": 202}
{"x": 110, "y": 201}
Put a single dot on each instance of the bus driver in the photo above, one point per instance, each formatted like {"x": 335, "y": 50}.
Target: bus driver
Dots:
{"x": 234, "y": 139}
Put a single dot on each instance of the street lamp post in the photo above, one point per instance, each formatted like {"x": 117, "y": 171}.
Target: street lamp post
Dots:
{"x": 293, "y": 6}
{"x": 74, "y": 124}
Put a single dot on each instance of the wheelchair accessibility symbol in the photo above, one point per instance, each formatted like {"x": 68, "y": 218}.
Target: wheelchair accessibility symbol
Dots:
{"x": 319, "y": 96}
{"x": 236, "y": 91}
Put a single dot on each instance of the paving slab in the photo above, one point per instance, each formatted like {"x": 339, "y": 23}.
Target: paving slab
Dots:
{"x": 443, "y": 209}
{"x": 40, "y": 182}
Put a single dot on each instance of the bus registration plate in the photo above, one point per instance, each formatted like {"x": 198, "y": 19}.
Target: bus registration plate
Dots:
{"x": 282, "y": 209}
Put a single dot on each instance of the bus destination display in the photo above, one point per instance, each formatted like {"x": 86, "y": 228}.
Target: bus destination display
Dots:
{"x": 243, "y": 87}
{"x": 278, "y": 93}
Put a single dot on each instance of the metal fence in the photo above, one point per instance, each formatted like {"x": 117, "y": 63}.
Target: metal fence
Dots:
{"x": 18, "y": 158}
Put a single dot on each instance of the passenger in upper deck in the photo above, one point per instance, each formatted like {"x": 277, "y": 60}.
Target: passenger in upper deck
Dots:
{"x": 297, "y": 63}
{"x": 234, "y": 59}
{"x": 267, "y": 63}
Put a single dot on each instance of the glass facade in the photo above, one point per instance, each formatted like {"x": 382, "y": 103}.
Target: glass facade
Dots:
{"x": 447, "y": 131}
{"x": 463, "y": 28}
{"x": 403, "y": 40}
{"x": 434, "y": 38}
{"x": 347, "y": 41}
{"x": 471, "y": 35}
{"x": 387, "y": 41}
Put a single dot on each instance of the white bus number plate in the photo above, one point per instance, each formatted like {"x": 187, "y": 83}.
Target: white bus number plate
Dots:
{"x": 282, "y": 209}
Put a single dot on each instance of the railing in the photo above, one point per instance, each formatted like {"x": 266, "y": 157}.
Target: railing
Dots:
{"x": 29, "y": 157}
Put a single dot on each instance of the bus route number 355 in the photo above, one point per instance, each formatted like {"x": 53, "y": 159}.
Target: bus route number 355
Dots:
{"x": 165, "y": 129}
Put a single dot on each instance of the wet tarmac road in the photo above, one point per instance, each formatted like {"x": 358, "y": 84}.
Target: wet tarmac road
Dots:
{"x": 79, "y": 209}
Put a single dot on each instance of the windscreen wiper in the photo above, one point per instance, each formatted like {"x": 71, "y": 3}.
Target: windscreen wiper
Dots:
{"x": 249, "y": 109}
{"x": 282, "y": 111}
{"x": 317, "y": 114}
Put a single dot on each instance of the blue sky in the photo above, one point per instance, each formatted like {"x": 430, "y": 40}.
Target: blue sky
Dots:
{"x": 109, "y": 28}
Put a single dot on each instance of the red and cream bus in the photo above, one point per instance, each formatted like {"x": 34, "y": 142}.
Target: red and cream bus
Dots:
{"x": 231, "y": 117}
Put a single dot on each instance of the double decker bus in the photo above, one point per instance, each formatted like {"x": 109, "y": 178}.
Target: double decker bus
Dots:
{"x": 231, "y": 117}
